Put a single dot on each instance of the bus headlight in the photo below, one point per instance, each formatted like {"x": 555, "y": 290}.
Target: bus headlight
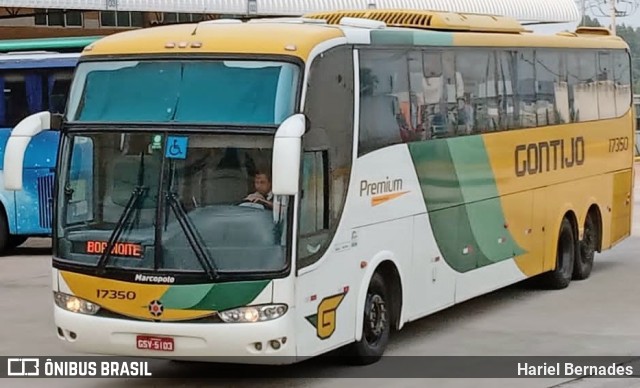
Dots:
{"x": 75, "y": 304}
{"x": 253, "y": 313}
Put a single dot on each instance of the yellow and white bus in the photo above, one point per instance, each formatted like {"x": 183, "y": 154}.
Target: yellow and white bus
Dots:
{"x": 416, "y": 160}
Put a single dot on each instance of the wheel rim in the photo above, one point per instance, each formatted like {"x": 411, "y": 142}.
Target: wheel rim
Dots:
{"x": 375, "y": 319}
{"x": 565, "y": 252}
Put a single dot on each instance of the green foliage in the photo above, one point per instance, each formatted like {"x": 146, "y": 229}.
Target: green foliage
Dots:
{"x": 632, "y": 37}
{"x": 588, "y": 22}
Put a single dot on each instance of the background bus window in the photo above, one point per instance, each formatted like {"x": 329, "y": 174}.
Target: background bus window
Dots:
{"x": 15, "y": 106}
{"x": 32, "y": 91}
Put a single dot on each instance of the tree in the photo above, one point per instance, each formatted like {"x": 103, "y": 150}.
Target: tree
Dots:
{"x": 589, "y": 22}
{"x": 632, "y": 37}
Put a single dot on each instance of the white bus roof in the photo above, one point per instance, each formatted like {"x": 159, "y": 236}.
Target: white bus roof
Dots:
{"x": 529, "y": 11}
{"x": 37, "y": 60}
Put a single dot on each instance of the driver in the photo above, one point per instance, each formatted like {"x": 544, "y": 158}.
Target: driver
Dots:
{"x": 263, "y": 194}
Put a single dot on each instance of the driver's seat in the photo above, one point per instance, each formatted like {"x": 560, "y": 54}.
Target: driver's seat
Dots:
{"x": 226, "y": 186}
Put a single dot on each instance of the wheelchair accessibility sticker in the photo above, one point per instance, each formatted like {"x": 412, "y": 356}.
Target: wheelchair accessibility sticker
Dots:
{"x": 176, "y": 147}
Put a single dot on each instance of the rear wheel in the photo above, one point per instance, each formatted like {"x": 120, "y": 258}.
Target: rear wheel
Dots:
{"x": 587, "y": 250}
{"x": 376, "y": 325}
{"x": 561, "y": 276}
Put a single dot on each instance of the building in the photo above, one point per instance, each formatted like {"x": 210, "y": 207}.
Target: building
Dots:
{"x": 46, "y": 22}
{"x": 55, "y": 18}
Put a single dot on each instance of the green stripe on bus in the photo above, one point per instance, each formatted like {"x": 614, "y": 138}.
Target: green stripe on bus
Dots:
{"x": 482, "y": 199}
{"x": 218, "y": 297}
{"x": 462, "y": 199}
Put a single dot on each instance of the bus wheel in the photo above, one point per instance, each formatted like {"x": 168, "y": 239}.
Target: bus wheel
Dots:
{"x": 587, "y": 251}
{"x": 376, "y": 325}
{"x": 565, "y": 258}
{"x": 5, "y": 242}
{"x": 15, "y": 241}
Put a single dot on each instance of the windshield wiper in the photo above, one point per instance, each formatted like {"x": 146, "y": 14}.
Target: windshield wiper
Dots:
{"x": 193, "y": 237}
{"x": 136, "y": 194}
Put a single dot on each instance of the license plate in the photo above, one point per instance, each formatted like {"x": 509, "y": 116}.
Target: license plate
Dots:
{"x": 154, "y": 343}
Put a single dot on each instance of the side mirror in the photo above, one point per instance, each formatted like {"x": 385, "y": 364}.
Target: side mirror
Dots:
{"x": 17, "y": 146}
{"x": 287, "y": 147}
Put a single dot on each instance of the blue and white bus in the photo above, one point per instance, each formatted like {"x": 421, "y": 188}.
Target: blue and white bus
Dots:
{"x": 35, "y": 75}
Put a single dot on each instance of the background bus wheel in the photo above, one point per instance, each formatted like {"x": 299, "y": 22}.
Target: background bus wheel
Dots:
{"x": 15, "y": 241}
{"x": 587, "y": 251}
{"x": 5, "y": 242}
{"x": 376, "y": 325}
{"x": 565, "y": 258}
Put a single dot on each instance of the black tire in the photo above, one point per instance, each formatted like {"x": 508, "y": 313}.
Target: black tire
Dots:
{"x": 376, "y": 325}
{"x": 587, "y": 250}
{"x": 16, "y": 241}
{"x": 561, "y": 276}
{"x": 4, "y": 233}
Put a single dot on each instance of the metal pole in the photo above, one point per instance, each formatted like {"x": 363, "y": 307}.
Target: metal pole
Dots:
{"x": 613, "y": 16}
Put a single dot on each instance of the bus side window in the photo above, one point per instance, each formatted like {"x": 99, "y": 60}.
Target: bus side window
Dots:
{"x": 622, "y": 82}
{"x": 385, "y": 107}
{"x": 328, "y": 146}
{"x": 16, "y": 106}
{"x": 582, "y": 83}
{"x": 526, "y": 89}
{"x": 506, "y": 98}
{"x": 314, "y": 220}
{"x": 80, "y": 204}
{"x": 605, "y": 87}
{"x": 551, "y": 93}
{"x": 473, "y": 67}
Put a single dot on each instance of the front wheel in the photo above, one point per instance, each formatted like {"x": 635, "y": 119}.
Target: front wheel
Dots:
{"x": 376, "y": 325}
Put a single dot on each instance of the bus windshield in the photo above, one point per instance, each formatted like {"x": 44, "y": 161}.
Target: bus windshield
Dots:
{"x": 170, "y": 201}
{"x": 222, "y": 92}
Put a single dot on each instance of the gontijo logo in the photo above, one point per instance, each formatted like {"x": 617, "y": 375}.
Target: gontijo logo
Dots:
{"x": 382, "y": 191}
